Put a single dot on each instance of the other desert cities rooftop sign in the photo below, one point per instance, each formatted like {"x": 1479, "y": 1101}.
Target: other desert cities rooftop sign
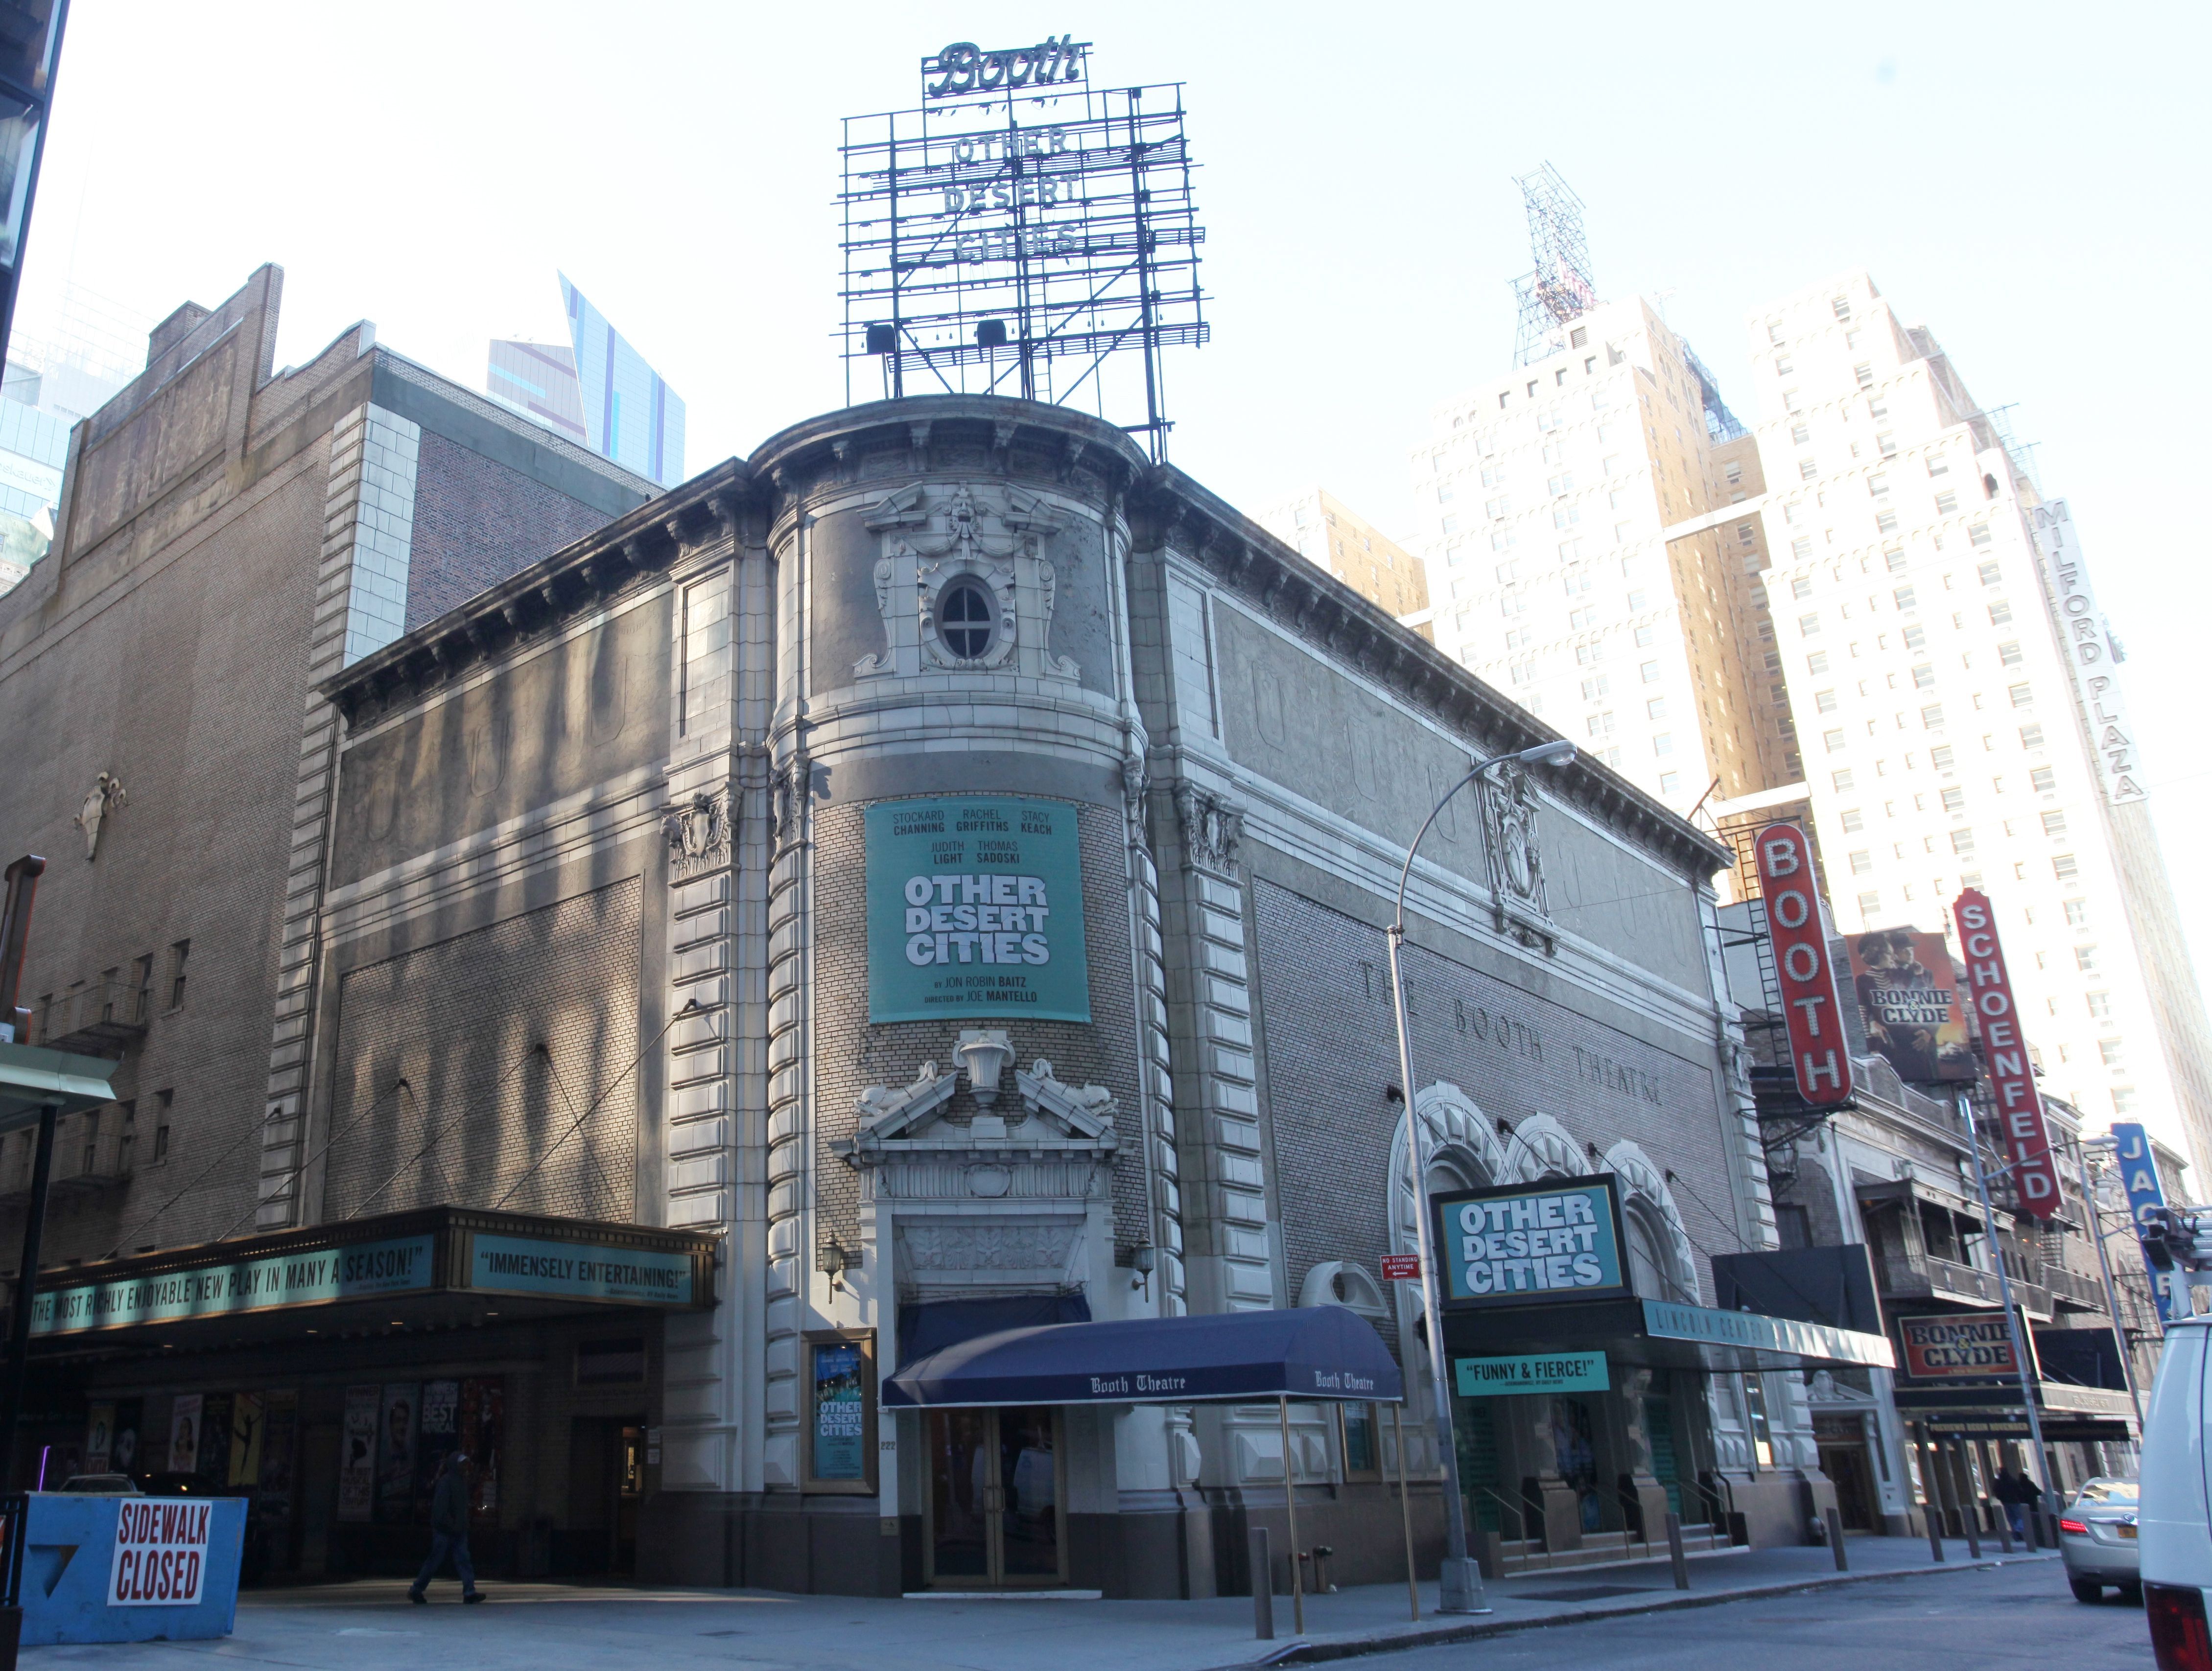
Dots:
{"x": 975, "y": 908}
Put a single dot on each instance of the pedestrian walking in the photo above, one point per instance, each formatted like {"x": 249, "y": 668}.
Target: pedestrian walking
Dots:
{"x": 449, "y": 1530}
{"x": 2011, "y": 1491}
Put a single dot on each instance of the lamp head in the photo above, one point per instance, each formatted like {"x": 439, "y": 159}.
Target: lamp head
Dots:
{"x": 1558, "y": 751}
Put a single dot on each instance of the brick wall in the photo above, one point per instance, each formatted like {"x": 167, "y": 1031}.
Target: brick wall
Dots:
{"x": 477, "y": 523}
{"x": 851, "y": 1054}
{"x": 185, "y": 684}
{"x": 1331, "y": 1049}
{"x": 459, "y": 1020}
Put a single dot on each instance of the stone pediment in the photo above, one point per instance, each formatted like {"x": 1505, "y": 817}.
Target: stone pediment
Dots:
{"x": 1052, "y": 1117}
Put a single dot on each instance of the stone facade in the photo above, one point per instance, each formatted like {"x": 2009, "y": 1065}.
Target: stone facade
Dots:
{"x": 1243, "y": 741}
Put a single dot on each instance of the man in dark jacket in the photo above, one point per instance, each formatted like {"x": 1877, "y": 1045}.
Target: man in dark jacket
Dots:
{"x": 449, "y": 1529}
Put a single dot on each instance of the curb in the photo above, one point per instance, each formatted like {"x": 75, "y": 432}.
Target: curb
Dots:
{"x": 1415, "y": 1636}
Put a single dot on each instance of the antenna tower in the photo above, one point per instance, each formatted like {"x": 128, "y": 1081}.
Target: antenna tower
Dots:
{"x": 1559, "y": 289}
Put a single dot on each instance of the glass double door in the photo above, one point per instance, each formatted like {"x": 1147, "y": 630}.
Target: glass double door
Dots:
{"x": 997, "y": 1516}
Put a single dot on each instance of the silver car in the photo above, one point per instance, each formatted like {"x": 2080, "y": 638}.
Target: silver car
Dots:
{"x": 2097, "y": 1538}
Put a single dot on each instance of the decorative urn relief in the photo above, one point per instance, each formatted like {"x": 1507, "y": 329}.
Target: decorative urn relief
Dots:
{"x": 1010, "y": 1197}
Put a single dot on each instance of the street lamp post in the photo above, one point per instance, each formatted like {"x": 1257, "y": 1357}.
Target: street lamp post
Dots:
{"x": 1459, "y": 1583}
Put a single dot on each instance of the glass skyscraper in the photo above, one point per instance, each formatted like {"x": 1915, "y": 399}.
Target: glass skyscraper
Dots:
{"x": 599, "y": 392}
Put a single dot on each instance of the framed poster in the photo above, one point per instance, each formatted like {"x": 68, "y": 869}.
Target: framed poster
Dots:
{"x": 841, "y": 1413}
{"x": 975, "y": 908}
{"x": 184, "y": 1433}
{"x": 395, "y": 1472}
{"x": 280, "y": 1427}
{"x": 98, "y": 1436}
{"x": 1533, "y": 1243}
{"x": 248, "y": 1417}
{"x": 357, "y": 1454}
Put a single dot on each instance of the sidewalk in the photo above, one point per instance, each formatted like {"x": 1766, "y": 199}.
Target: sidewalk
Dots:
{"x": 367, "y": 1625}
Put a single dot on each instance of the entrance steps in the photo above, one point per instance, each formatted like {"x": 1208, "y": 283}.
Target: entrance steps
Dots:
{"x": 1527, "y": 1555}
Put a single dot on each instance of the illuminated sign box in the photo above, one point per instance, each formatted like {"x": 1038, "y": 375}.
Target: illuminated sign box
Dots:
{"x": 1529, "y": 1244}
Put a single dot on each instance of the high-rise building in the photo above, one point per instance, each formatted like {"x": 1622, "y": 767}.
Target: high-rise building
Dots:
{"x": 1329, "y": 533}
{"x": 1956, "y": 693}
{"x": 62, "y": 366}
{"x": 1544, "y": 496}
{"x": 598, "y": 392}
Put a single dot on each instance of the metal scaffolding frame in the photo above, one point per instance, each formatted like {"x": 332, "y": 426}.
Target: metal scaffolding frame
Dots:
{"x": 1040, "y": 241}
{"x": 1559, "y": 289}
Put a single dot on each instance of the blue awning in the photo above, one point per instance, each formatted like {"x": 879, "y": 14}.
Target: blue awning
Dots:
{"x": 1318, "y": 1352}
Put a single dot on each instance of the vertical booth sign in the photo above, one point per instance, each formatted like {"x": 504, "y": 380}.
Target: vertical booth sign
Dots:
{"x": 2011, "y": 1077}
{"x": 1807, "y": 974}
{"x": 975, "y": 908}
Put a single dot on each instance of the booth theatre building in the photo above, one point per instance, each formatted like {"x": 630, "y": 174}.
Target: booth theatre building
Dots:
{"x": 929, "y": 878}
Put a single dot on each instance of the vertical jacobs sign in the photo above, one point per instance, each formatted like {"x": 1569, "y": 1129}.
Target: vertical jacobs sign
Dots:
{"x": 1817, "y": 1055}
{"x": 975, "y": 908}
{"x": 2011, "y": 1077}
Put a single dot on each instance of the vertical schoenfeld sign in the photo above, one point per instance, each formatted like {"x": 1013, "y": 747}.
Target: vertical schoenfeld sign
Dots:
{"x": 975, "y": 908}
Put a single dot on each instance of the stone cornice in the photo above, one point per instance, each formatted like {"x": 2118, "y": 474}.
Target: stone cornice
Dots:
{"x": 886, "y": 441}
{"x": 1168, "y": 510}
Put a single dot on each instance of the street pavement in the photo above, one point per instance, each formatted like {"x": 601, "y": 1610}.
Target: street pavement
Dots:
{"x": 367, "y": 1625}
{"x": 2016, "y": 1616}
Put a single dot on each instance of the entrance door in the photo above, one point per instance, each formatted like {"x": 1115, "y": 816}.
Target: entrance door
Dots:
{"x": 1847, "y": 1465}
{"x": 996, "y": 1516}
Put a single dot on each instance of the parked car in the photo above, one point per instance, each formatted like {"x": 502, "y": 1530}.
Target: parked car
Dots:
{"x": 101, "y": 1485}
{"x": 2174, "y": 1519}
{"x": 2097, "y": 1538}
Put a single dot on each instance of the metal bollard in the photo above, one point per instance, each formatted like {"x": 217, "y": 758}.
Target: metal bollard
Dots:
{"x": 1836, "y": 1540}
{"x": 1263, "y": 1587}
{"x": 2004, "y": 1528}
{"x": 1934, "y": 1532}
{"x": 1674, "y": 1554}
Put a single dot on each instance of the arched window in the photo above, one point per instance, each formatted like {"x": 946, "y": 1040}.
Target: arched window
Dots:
{"x": 967, "y": 619}
{"x": 1651, "y": 1264}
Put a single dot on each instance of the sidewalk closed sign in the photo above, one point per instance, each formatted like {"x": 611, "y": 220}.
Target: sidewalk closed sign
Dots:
{"x": 1546, "y": 1372}
{"x": 161, "y": 1553}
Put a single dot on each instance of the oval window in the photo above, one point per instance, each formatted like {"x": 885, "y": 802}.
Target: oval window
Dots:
{"x": 966, "y": 619}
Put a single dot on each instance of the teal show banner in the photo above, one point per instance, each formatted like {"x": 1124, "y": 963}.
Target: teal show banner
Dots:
{"x": 1557, "y": 1372}
{"x": 250, "y": 1285}
{"x": 579, "y": 1270}
{"x": 975, "y": 908}
{"x": 1517, "y": 1243}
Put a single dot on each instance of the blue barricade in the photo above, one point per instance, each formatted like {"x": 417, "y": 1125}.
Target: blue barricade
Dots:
{"x": 76, "y": 1588}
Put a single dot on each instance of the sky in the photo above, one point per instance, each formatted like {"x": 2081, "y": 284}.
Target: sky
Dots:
{"x": 2027, "y": 179}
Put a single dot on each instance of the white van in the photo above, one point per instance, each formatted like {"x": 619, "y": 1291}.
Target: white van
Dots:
{"x": 2175, "y": 1519}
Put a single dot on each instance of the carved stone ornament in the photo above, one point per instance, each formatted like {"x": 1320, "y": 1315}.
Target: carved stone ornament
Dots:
{"x": 933, "y": 540}
{"x": 1213, "y": 829}
{"x": 698, "y": 834}
{"x": 787, "y": 791}
{"x": 106, "y": 794}
{"x": 1515, "y": 858}
{"x": 911, "y": 1143}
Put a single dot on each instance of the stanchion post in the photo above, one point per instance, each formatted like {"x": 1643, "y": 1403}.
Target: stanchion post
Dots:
{"x": 1836, "y": 1539}
{"x": 1675, "y": 1554}
{"x": 1263, "y": 1587}
{"x": 1406, "y": 1514}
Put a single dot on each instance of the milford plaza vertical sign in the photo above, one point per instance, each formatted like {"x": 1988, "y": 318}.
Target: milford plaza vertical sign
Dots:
{"x": 2012, "y": 1076}
{"x": 1807, "y": 973}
